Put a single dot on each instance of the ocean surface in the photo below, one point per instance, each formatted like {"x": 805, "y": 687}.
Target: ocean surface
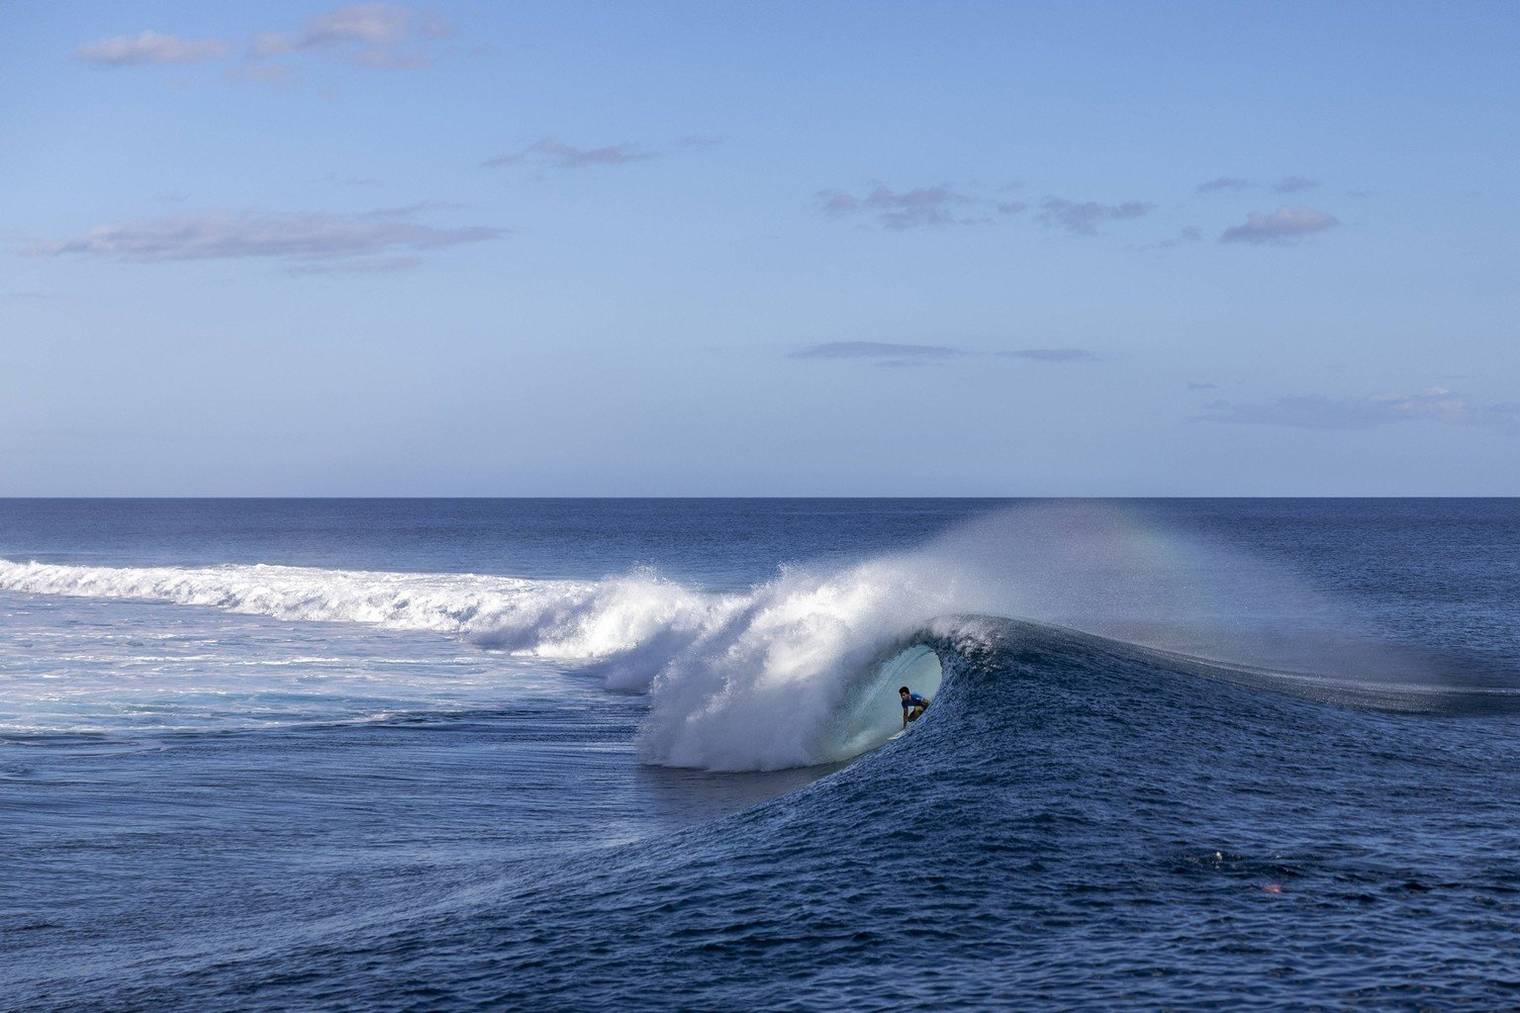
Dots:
{"x": 615, "y": 754}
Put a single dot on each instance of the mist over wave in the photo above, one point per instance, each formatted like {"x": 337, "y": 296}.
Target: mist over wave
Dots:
{"x": 758, "y": 680}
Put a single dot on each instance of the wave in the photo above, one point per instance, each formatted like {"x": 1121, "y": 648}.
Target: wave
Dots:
{"x": 737, "y": 681}
{"x": 795, "y": 671}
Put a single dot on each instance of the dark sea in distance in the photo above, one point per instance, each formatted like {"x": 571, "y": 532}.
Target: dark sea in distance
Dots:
{"x": 618, "y": 754}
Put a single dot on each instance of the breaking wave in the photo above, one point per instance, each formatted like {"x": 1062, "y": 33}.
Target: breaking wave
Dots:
{"x": 739, "y": 681}
{"x": 796, "y": 670}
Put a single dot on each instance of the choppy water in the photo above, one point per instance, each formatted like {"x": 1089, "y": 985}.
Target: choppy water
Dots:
{"x": 616, "y": 753}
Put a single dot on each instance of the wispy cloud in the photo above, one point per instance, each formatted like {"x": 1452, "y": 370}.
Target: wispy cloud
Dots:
{"x": 921, "y": 207}
{"x": 556, "y": 154}
{"x": 1285, "y": 225}
{"x": 1236, "y": 184}
{"x": 368, "y": 34}
{"x": 1294, "y": 184}
{"x": 1224, "y": 184}
{"x": 876, "y": 350}
{"x": 150, "y": 47}
{"x": 311, "y": 236}
{"x": 1050, "y": 354}
{"x": 943, "y": 205}
{"x": 1196, "y": 385}
{"x": 553, "y": 153}
{"x": 372, "y": 34}
{"x": 375, "y": 24}
{"x": 1314, "y": 411}
{"x": 1082, "y": 218}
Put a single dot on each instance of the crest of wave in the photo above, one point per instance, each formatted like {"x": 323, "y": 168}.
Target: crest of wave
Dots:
{"x": 760, "y": 686}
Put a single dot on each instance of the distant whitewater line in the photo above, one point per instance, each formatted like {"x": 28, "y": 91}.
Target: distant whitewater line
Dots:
{"x": 547, "y": 618}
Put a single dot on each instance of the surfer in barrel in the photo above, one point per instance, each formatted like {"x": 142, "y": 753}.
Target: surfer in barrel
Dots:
{"x": 913, "y": 705}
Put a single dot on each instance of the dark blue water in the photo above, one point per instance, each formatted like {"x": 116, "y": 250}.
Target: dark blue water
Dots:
{"x": 423, "y": 759}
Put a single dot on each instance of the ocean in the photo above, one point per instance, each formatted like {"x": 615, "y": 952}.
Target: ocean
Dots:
{"x": 616, "y": 754}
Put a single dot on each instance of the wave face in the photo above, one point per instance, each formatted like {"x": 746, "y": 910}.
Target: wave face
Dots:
{"x": 771, "y": 677}
{"x": 1074, "y": 821}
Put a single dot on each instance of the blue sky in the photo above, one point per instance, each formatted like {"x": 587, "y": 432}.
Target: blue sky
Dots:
{"x": 759, "y": 249}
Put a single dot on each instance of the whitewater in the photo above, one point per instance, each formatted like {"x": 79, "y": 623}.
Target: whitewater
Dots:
{"x": 774, "y": 676}
{"x": 716, "y": 664}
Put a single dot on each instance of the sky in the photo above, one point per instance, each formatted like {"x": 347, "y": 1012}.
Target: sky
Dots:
{"x": 884, "y": 248}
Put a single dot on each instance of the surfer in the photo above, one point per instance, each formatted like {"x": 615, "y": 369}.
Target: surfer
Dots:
{"x": 913, "y": 704}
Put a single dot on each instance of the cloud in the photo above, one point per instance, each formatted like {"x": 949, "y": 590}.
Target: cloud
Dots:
{"x": 888, "y": 353}
{"x": 371, "y": 34}
{"x": 943, "y": 205}
{"x": 375, "y": 34}
{"x": 921, "y": 207}
{"x": 1235, "y": 184}
{"x": 1294, "y": 184}
{"x": 150, "y": 47}
{"x": 1285, "y": 225}
{"x": 1195, "y": 385}
{"x": 1082, "y": 218}
{"x": 551, "y": 152}
{"x": 1314, "y": 411}
{"x": 1050, "y": 354}
{"x": 1220, "y": 184}
{"x": 556, "y": 154}
{"x": 372, "y": 25}
{"x": 299, "y": 237}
